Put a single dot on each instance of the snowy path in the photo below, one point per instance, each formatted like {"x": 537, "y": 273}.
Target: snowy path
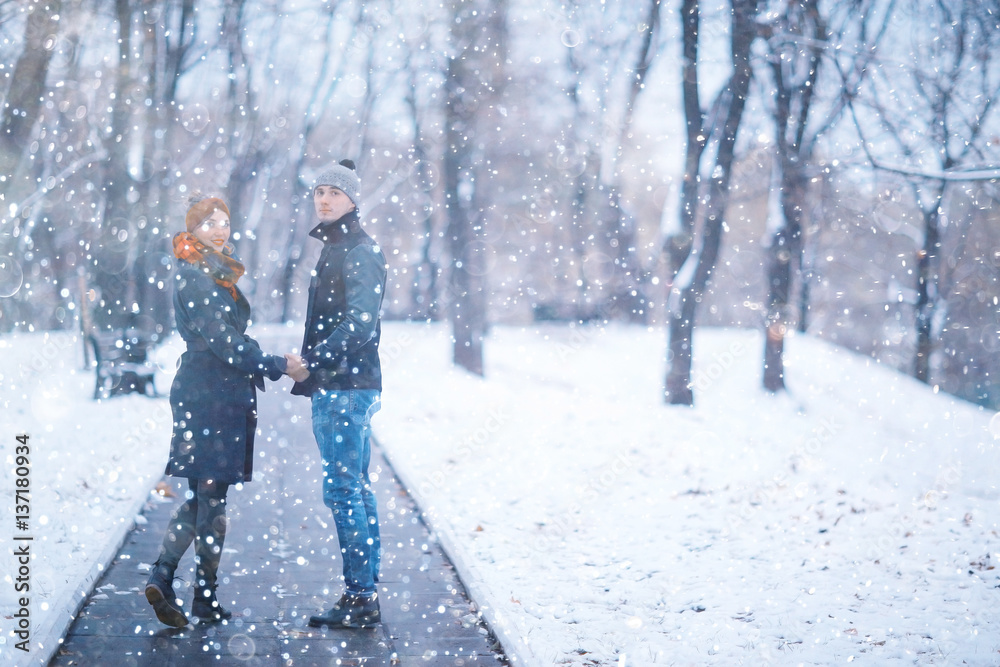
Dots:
{"x": 281, "y": 564}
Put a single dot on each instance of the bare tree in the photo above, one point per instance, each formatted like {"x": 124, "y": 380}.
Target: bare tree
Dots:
{"x": 795, "y": 66}
{"x": 425, "y": 286}
{"x": 27, "y": 83}
{"x": 249, "y": 146}
{"x": 323, "y": 89}
{"x": 18, "y": 119}
{"x": 678, "y": 245}
{"x": 707, "y": 208}
{"x": 166, "y": 58}
{"x": 934, "y": 110}
{"x": 631, "y": 285}
{"x": 471, "y": 86}
{"x": 112, "y": 255}
{"x": 128, "y": 253}
{"x": 282, "y": 86}
{"x": 802, "y": 44}
{"x": 608, "y": 61}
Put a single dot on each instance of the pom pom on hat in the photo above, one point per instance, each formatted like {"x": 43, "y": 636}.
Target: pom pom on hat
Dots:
{"x": 200, "y": 208}
{"x": 343, "y": 177}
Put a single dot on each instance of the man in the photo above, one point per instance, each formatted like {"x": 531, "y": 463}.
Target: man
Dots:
{"x": 340, "y": 371}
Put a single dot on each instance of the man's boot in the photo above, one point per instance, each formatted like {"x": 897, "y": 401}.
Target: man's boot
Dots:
{"x": 351, "y": 611}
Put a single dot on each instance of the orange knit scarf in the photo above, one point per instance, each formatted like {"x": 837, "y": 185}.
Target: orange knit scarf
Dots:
{"x": 223, "y": 268}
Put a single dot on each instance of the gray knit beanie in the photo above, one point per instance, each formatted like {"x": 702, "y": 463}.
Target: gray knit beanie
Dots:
{"x": 343, "y": 177}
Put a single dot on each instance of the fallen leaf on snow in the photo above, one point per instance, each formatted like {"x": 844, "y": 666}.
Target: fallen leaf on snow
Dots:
{"x": 165, "y": 490}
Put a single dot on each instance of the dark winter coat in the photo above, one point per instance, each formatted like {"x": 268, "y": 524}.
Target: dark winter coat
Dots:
{"x": 343, "y": 324}
{"x": 213, "y": 397}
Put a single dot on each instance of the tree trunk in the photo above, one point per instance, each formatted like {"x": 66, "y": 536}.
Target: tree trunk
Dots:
{"x": 694, "y": 276}
{"x": 20, "y": 112}
{"x": 424, "y": 289}
{"x": 474, "y": 74}
{"x": 468, "y": 305}
{"x": 114, "y": 255}
{"x": 795, "y": 69}
{"x": 678, "y": 388}
{"x": 779, "y": 280}
{"x": 927, "y": 281}
{"x": 166, "y": 44}
{"x": 678, "y": 245}
{"x": 629, "y": 283}
{"x": 27, "y": 85}
{"x": 807, "y": 263}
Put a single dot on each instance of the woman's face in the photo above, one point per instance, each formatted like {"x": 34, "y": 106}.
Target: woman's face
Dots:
{"x": 214, "y": 230}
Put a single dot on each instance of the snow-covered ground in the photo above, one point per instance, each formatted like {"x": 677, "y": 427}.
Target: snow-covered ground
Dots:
{"x": 92, "y": 466}
{"x": 851, "y": 520}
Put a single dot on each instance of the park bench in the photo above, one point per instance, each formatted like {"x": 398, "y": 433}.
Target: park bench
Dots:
{"x": 121, "y": 361}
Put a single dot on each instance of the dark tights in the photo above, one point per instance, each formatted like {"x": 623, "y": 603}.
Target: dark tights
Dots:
{"x": 200, "y": 519}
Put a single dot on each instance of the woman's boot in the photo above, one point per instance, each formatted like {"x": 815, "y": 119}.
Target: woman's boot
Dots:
{"x": 160, "y": 586}
{"x": 160, "y": 594}
{"x": 211, "y": 536}
{"x": 206, "y": 605}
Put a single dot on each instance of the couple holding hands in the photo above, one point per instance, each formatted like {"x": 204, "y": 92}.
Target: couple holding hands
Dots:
{"x": 213, "y": 396}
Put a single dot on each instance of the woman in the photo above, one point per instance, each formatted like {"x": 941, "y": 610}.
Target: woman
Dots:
{"x": 213, "y": 400}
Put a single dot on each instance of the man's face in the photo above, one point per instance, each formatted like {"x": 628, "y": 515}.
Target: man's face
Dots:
{"x": 331, "y": 203}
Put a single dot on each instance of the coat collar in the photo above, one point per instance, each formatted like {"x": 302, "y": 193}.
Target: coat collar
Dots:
{"x": 331, "y": 232}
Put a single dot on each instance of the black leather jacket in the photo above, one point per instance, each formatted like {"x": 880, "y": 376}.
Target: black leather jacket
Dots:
{"x": 343, "y": 323}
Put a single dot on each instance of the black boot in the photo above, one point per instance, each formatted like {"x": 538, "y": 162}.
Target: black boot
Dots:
{"x": 206, "y": 606}
{"x": 159, "y": 588}
{"x": 351, "y": 611}
{"x": 160, "y": 594}
{"x": 211, "y": 536}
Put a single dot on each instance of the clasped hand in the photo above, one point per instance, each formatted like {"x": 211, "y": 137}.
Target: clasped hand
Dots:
{"x": 296, "y": 367}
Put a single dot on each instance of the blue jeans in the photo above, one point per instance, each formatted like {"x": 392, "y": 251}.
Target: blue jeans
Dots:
{"x": 341, "y": 421}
